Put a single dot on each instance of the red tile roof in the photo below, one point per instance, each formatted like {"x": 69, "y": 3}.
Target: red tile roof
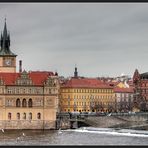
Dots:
{"x": 123, "y": 90}
{"x": 9, "y": 78}
{"x": 38, "y": 77}
{"x": 85, "y": 83}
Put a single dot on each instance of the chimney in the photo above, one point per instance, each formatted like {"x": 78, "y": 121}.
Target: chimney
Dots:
{"x": 20, "y": 66}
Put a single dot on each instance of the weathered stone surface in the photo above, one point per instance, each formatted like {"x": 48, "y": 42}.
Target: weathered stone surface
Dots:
{"x": 111, "y": 121}
{"x": 26, "y": 124}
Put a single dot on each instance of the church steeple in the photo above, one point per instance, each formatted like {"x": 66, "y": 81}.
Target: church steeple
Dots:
{"x": 5, "y": 43}
{"x": 136, "y": 76}
{"x": 7, "y": 57}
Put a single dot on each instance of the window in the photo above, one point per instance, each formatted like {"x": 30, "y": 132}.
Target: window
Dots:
{"x": 17, "y": 91}
{"x": 9, "y": 116}
{"x": 30, "y": 90}
{"x": 24, "y": 103}
{"x": 39, "y": 116}
{"x": 8, "y": 102}
{"x": 18, "y": 103}
{"x": 24, "y": 115}
{"x": 40, "y": 102}
{"x": 18, "y": 116}
{"x": 30, "y": 103}
{"x": 24, "y": 91}
{"x": 9, "y": 91}
{"x": 30, "y": 116}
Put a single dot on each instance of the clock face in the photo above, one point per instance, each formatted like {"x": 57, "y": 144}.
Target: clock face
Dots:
{"x": 8, "y": 62}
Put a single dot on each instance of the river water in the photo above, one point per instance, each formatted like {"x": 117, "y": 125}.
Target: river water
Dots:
{"x": 80, "y": 136}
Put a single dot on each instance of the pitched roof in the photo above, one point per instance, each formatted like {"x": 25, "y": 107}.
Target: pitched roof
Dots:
{"x": 9, "y": 78}
{"x": 5, "y": 43}
{"x": 38, "y": 77}
{"x": 85, "y": 83}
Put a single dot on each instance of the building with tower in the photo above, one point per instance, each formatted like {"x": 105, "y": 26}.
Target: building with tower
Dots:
{"x": 7, "y": 58}
{"x": 81, "y": 94}
{"x": 28, "y": 100}
{"x": 140, "y": 82}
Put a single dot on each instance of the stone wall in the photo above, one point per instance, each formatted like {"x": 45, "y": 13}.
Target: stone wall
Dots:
{"x": 32, "y": 124}
{"x": 103, "y": 121}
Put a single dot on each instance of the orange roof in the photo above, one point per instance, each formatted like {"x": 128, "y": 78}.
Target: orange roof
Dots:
{"x": 85, "y": 83}
{"x": 123, "y": 90}
{"x": 9, "y": 78}
{"x": 38, "y": 77}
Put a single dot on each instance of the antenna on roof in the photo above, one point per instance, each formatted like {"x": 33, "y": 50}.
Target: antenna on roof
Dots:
{"x": 75, "y": 65}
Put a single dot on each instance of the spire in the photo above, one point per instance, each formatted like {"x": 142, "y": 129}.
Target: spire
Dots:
{"x": 75, "y": 72}
{"x": 1, "y": 39}
{"x": 5, "y": 42}
{"x": 136, "y": 76}
{"x": 4, "y": 35}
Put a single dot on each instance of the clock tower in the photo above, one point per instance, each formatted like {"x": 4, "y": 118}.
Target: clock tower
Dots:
{"x": 7, "y": 58}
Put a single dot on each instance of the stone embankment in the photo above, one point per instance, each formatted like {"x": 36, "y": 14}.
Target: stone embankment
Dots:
{"x": 117, "y": 121}
{"x": 136, "y": 120}
{"x": 104, "y": 121}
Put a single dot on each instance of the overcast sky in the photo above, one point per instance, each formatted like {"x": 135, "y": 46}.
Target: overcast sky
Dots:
{"x": 102, "y": 39}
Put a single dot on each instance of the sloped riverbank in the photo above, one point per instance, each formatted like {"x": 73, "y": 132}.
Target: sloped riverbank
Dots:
{"x": 114, "y": 122}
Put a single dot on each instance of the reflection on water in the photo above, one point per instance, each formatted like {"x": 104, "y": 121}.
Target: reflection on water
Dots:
{"x": 81, "y": 136}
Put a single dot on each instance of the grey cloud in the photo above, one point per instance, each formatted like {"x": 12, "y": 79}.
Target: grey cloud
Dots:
{"x": 102, "y": 39}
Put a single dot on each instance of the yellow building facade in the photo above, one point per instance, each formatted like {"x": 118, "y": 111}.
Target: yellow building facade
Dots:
{"x": 86, "y": 95}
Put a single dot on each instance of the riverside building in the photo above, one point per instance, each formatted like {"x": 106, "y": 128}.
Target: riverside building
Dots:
{"x": 80, "y": 94}
{"x": 28, "y": 100}
{"x": 140, "y": 82}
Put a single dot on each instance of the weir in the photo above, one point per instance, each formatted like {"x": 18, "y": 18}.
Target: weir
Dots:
{"x": 66, "y": 120}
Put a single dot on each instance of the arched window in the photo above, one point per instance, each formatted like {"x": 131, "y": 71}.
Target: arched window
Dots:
{"x": 24, "y": 103}
{"x": 30, "y": 103}
{"x": 30, "y": 116}
{"x": 39, "y": 116}
{"x": 18, "y": 103}
{"x": 9, "y": 116}
{"x": 18, "y": 116}
{"x": 24, "y": 115}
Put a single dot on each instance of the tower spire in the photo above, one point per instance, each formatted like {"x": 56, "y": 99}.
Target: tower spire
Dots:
{"x": 4, "y": 36}
{"x": 5, "y": 42}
